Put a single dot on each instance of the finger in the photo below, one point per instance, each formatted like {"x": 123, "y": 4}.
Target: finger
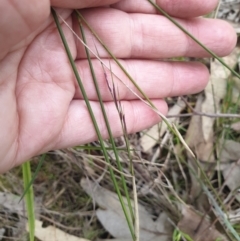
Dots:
{"x": 81, "y": 4}
{"x": 18, "y": 20}
{"x": 78, "y": 128}
{"x": 177, "y": 8}
{"x": 156, "y": 79}
{"x": 154, "y": 36}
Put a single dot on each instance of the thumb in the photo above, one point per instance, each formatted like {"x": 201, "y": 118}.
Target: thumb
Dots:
{"x": 18, "y": 20}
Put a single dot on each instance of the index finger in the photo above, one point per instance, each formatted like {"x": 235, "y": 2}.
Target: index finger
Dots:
{"x": 176, "y": 8}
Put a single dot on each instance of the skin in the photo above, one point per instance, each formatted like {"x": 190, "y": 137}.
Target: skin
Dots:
{"x": 41, "y": 106}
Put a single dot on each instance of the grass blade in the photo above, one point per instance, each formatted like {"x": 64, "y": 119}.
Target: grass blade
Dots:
{"x": 111, "y": 138}
{"x": 88, "y": 106}
{"x": 29, "y": 198}
{"x": 34, "y": 176}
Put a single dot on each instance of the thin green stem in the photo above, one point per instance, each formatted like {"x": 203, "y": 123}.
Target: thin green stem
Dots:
{"x": 29, "y": 199}
{"x": 110, "y": 135}
{"x": 34, "y": 176}
{"x": 89, "y": 108}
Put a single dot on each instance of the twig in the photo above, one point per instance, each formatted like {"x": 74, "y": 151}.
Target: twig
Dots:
{"x": 210, "y": 115}
{"x": 219, "y": 115}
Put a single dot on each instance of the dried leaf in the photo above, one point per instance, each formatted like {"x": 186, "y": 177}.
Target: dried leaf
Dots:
{"x": 11, "y": 202}
{"x": 2, "y": 231}
{"x": 202, "y": 148}
{"x": 200, "y": 132}
{"x": 198, "y": 227}
{"x": 236, "y": 87}
{"x": 112, "y": 217}
{"x": 52, "y": 233}
{"x": 236, "y": 126}
{"x": 229, "y": 151}
{"x": 231, "y": 175}
{"x": 215, "y": 91}
{"x": 229, "y": 159}
{"x": 195, "y": 136}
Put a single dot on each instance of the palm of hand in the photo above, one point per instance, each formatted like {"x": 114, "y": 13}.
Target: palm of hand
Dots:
{"x": 36, "y": 95}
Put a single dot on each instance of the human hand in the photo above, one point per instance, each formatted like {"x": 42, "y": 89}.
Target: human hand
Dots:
{"x": 41, "y": 106}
